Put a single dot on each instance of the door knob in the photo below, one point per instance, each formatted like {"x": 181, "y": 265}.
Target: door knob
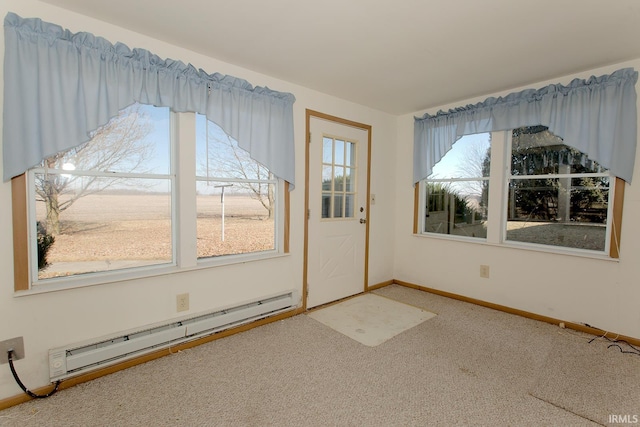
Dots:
{"x": 362, "y": 220}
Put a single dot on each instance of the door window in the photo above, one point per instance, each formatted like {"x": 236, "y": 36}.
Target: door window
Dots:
{"x": 338, "y": 178}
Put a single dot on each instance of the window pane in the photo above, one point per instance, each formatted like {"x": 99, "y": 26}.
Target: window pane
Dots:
{"x": 339, "y": 179}
{"x": 337, "y": 205}
{"x": 536, "y": 151}
{"x": 351, "y": 154}
{"x": 107, "y": 230}
{"x": 97, "y": 216}
{"x": 457, "y": 201}
{"x": 469, "y": 157}
{"x": 235, "y": 195}
{"x": 326, "y": 205}
{"x": 555, "y": 210}
{"x": 450, "y": 209}
{"x": 349, "y": 205}
{"x": 219, "y": 156}
{"x": 559, "y": 212}
{"x": 327, "y": 150}
{"x": 327, "y": 175}
{"x": 137, "y": 140}
{"x": 240, "y": 221}
{"x": 349, "y": 180}
{"x": 339, "y": 152}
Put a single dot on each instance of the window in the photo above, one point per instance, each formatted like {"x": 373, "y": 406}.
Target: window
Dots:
{"x": 111, "y": 206}
{"x": 544, "y": 193}
{"x": 456, "y": 194}
{"x": 236, "y": 197}
{"x": 338, "y": 178}
{"x": 107, "y": 204}
{"x": 557, "y": 195}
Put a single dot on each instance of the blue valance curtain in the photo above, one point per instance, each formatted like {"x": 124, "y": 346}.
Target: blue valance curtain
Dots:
{"x": 597, "y": 116}
{"x": 60, "y": 86}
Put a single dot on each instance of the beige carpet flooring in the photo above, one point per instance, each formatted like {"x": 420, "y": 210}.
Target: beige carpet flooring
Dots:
{"x": 468, "y": 365}
{"x": 592, "y": 381}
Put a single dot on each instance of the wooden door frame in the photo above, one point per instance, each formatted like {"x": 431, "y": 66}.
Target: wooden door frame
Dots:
{"x": 308, "y": 115}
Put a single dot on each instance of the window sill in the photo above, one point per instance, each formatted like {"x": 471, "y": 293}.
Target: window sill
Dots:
{"x": 80, "y": 281}
{"x": 237, "y": 259}
{"x": 530, "y": 247}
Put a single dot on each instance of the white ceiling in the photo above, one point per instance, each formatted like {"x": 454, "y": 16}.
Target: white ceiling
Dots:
{"x": 397, "y": 56}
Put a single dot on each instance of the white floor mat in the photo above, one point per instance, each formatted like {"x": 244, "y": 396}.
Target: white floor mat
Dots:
{"x": 371, "y": 319}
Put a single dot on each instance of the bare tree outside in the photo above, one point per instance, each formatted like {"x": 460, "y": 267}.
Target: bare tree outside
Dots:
{"x": 474, "y": 162}
{"x": 225, "y": 159}
{"x": 120, "y": 146}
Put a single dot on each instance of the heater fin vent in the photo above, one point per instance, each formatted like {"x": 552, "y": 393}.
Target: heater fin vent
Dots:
{"x": 76, "y": 359}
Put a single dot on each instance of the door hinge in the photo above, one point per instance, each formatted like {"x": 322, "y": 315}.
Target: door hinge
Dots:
{"x": 308, "y": 213}
{"x": 309, "y": 137}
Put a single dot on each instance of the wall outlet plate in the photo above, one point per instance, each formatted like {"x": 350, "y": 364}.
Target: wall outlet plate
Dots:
{"x": 182, "y": 302}
{"x": 484, "y": 271}
{"x": 17, "y": 344}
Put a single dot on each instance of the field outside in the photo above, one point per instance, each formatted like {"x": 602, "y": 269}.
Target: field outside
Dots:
{"x": 107, "y": 231}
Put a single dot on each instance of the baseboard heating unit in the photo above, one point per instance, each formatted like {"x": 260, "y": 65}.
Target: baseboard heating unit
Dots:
{"x": 76, "y": 359}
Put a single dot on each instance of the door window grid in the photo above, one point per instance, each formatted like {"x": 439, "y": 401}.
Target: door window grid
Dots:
{"x": 338, "y": 178}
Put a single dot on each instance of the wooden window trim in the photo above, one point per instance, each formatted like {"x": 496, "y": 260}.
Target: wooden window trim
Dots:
{"x": 20, "y": 233}
{"x": 287, "y": 214}
{"x": 616, "y": 222}
{"x": 416, "y": 207}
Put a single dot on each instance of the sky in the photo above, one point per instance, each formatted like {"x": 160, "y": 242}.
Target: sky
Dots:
{"x": 160, "y": 136}
{"x": 453, "y": 164}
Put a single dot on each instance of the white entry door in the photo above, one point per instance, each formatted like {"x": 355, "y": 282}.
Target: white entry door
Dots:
{"x": 337, "y": 216}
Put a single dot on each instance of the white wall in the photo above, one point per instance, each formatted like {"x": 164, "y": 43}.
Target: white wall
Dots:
{"x": 59, "y": 318}
{"x": 602, "y": 293}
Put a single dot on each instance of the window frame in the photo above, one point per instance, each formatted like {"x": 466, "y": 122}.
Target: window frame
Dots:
{"x": 183, "y": 141}
{"x": 353, "y": 170}
{"x": 281, "y": 190}
{"x": 500, "y": 175}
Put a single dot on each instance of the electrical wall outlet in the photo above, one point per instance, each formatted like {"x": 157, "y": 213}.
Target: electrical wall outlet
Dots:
{"x": 15, "y": 344}
{"x": 484, "y": 271}
{"x": 182, "y": 302}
